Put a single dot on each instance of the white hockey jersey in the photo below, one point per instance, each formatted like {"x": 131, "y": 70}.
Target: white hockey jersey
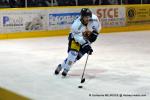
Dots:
{"x": 78, "y": 28}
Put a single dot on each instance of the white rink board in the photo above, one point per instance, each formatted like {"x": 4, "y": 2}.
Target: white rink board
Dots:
{"x": 64, "y": 17}
{"x": 55, "y": 18}
{"x": 22, "y": 20}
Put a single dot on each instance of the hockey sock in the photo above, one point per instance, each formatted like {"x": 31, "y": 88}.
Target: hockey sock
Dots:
{"x": 70, "y": 60}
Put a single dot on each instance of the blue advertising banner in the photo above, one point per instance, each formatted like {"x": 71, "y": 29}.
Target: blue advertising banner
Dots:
{"x": 63, "y": 20}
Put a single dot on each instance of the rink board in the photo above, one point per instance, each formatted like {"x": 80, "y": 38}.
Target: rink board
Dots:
{"x": 65, "y": 32}
{"x": 56, "y": 21}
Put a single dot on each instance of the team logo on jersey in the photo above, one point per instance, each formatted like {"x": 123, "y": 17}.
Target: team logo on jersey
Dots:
{"x": 93, "y": 27}
{"x": 131, "y": 13}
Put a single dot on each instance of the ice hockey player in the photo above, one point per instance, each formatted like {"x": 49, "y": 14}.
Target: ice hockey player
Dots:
{"x": 84, "y": 32}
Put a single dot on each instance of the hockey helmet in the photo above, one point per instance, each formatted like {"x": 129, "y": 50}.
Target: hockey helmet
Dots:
{"x": 85, "y": 12}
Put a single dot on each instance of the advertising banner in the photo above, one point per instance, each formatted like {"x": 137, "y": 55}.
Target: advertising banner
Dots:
{"x": 111, "y": 16}
{"x": 22, "y": 21}
{"x": 62, "y": 18}
{"x": 56, "y": 18}
{"x": 137, "y": 15}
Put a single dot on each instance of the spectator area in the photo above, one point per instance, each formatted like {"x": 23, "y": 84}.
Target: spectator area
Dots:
{"x": 48, "y": 3}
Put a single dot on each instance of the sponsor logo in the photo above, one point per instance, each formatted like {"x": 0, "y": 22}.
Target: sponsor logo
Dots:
{"x": 62, "y": 18}
{"x": 108, "y": 13}
{"x": 131, "y": 13}
{"x": 35, "y": 24}
{"x": 110, "y": 17}
{"x": 12, "y": 21}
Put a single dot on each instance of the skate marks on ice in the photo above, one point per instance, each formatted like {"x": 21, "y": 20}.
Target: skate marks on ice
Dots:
{"x": 103, "y": 75}
{"x": 124, "y": 78}
{"x": 89, "y": 73}
{"x": 74, "y": 77}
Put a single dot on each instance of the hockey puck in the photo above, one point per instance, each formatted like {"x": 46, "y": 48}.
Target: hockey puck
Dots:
{"x": 80, "y": 86}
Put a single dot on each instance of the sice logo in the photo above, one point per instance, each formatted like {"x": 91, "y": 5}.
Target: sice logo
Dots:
{"x": 107, "y": 13}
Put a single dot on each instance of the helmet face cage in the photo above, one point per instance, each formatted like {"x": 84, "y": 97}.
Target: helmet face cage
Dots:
{"x": 86, "y": 12}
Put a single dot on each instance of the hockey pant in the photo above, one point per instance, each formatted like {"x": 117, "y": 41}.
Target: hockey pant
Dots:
{"x": 75, "y": 52}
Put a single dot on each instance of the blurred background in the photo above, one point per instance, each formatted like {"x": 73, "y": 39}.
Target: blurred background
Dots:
{"x": 48, "y": 3}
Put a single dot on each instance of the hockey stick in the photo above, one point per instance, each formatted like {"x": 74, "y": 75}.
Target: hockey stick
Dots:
{"x": 82, "y": 78}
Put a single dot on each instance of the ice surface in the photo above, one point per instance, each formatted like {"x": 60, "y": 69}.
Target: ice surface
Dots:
{"x": 120, "y": 64}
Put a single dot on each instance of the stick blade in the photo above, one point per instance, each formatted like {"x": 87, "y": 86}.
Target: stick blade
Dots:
{"x": 83, "y": 80}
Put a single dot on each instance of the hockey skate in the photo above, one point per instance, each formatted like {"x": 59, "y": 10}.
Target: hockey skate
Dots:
{"x": 58, "y": 69}
{"x": 65, "y": 72}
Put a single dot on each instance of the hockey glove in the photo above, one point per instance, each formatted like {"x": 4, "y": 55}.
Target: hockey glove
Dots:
{"x": 87, "y": 48}
{"x": 93, "y": 36}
